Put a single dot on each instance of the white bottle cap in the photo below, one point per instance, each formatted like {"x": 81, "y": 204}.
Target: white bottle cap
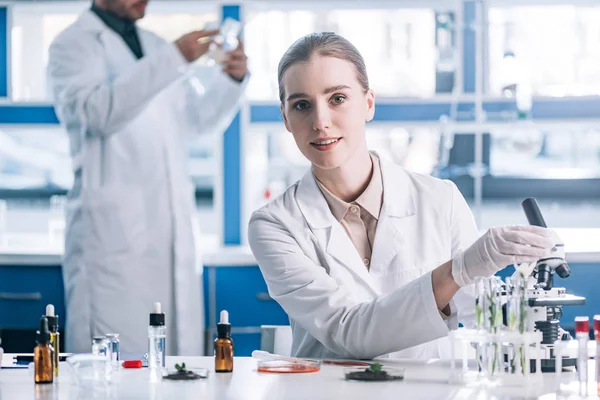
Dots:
{"x": 49, "y": 310}
{"x": 157, "y": 308}
{"x": 224, "y": 317}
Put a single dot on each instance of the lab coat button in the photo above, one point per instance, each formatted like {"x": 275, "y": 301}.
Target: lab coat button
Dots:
{"x": 366, "y": 261}
{"x": 354, "y": 209}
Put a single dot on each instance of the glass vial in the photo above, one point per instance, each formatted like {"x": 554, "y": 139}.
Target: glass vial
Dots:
{"x": 157, "y": 338}
{"x": 582, "y": 334}
{"x": 224, "y": 345}
{"x": 597, "y": 338}
{"x": 43, "y": 355}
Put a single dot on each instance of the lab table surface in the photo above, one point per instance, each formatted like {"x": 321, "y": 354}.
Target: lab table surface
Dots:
{"x": 423, "y": 380}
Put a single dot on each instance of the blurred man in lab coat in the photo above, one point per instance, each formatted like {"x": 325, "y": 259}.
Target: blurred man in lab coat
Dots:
{"x": 122, "y": 95}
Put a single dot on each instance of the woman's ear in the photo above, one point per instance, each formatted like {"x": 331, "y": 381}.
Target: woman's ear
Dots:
{"x": 370, "y": 105}
{"x": 285, "y": 120}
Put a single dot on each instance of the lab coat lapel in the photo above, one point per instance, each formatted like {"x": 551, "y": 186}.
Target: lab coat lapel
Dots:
{"x": 330, "y": 234}
{"x": 119, "y": 54}
{"x": 396, "y": 214}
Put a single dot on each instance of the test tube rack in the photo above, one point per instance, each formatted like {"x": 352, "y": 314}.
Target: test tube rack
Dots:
{"x": 512, "y": 353}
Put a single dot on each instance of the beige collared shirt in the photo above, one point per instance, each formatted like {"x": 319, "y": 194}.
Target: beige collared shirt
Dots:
{"x": 360, "y": 217}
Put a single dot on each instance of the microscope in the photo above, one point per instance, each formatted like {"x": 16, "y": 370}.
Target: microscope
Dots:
{"x": 545, "y": 301}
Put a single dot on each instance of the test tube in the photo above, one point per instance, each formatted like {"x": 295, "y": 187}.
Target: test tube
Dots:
{"x": 492, "y": 321}
{"x": 582, "y": 334}
{"x": 597, "y": 338}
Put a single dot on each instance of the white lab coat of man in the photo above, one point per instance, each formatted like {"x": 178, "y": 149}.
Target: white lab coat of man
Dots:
{"x": 338, "y": 308}
{"x": 130, "y": 218}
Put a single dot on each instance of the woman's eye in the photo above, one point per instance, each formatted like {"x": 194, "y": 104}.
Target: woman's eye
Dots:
{"x": 301, "y": 105}
{"x": 338, "y": 99}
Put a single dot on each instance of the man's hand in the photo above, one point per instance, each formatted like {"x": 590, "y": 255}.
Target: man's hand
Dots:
{"x": 195, "y": 44}
{"x": 235, "y": 63}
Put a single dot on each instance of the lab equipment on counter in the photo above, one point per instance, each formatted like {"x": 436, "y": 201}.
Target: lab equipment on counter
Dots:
{"x": 597, "y": 341}
{"x": 112, "y": 351}
{"x": 99, "y": 345}
{"x": 544, "y": 301}
{"x": 224, "y": 345}
{"x": 374, "y": 372}
{"x": 582, "y": 334}
{"x": 91, "y": 370}
{"x": 43, "y": 355}
{"x": 565, "y": 384}
{"x": 274, "y": 363}
{"x": 54, "y": 335}
{"x": 518, "y": 321}
{"x": 132, "y": 364}
{"x": 504, "y": 354}
{"x": 181, "y": 373}
{"x": 157, "y": 339}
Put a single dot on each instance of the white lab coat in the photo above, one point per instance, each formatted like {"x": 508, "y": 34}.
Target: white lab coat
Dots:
{"x": 337, "y": 307}
{"x": 130, "y": 218}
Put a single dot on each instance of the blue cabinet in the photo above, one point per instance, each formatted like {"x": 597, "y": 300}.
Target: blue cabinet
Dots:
{"x": 242, "y": 291}
{"x": 24, "y": 293}
{"x": 26, "y": 290}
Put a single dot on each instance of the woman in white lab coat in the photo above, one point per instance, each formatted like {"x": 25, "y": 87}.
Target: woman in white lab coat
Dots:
{"x": 367, "y": 258}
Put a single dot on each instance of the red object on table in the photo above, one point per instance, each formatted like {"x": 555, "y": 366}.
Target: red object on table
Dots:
{"x": 132, "y": 364}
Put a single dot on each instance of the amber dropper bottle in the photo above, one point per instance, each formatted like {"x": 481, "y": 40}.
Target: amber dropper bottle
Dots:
{"x": 43, "y": 355}
{"x": 224, "y": 345}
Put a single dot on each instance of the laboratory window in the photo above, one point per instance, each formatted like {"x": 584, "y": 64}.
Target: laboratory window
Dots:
{"x": 398, "y": 45}
{"x": 550, "y": 50}
{"x": 558, "y": 164}
{"x": 34, "y": 27}
{"x": 35, "y": 172}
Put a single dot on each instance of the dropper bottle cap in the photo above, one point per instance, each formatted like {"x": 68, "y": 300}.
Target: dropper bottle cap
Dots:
{"x": 52, "y": 319}
{"x": 223, "y": 327}
{"x": 43, "y": 335}
{"x": 157, "y": 318}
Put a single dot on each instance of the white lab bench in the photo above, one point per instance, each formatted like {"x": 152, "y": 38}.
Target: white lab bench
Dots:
{"x": 423, "y": 380}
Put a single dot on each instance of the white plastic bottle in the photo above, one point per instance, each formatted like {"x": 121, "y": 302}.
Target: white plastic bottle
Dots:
{"x": 157, "y": 338}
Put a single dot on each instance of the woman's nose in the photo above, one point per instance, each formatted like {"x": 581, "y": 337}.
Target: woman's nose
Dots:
{"x": 321, "y": 118}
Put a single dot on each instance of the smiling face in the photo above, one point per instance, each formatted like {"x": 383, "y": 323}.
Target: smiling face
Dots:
{"x": 326, "y": 108}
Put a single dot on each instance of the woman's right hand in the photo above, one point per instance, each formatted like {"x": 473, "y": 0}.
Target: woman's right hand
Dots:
{"x": 500, "y": 247}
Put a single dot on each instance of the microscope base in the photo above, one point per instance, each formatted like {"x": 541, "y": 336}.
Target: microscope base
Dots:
{"x": 549, "y": 364}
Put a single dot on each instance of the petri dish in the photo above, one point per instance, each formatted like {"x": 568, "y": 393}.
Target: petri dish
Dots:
{"x": 288, "y": 367}
{"x": 363, "y": 374}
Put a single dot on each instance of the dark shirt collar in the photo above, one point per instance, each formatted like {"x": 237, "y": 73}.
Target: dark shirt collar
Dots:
{"x": 120, "y": 25}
